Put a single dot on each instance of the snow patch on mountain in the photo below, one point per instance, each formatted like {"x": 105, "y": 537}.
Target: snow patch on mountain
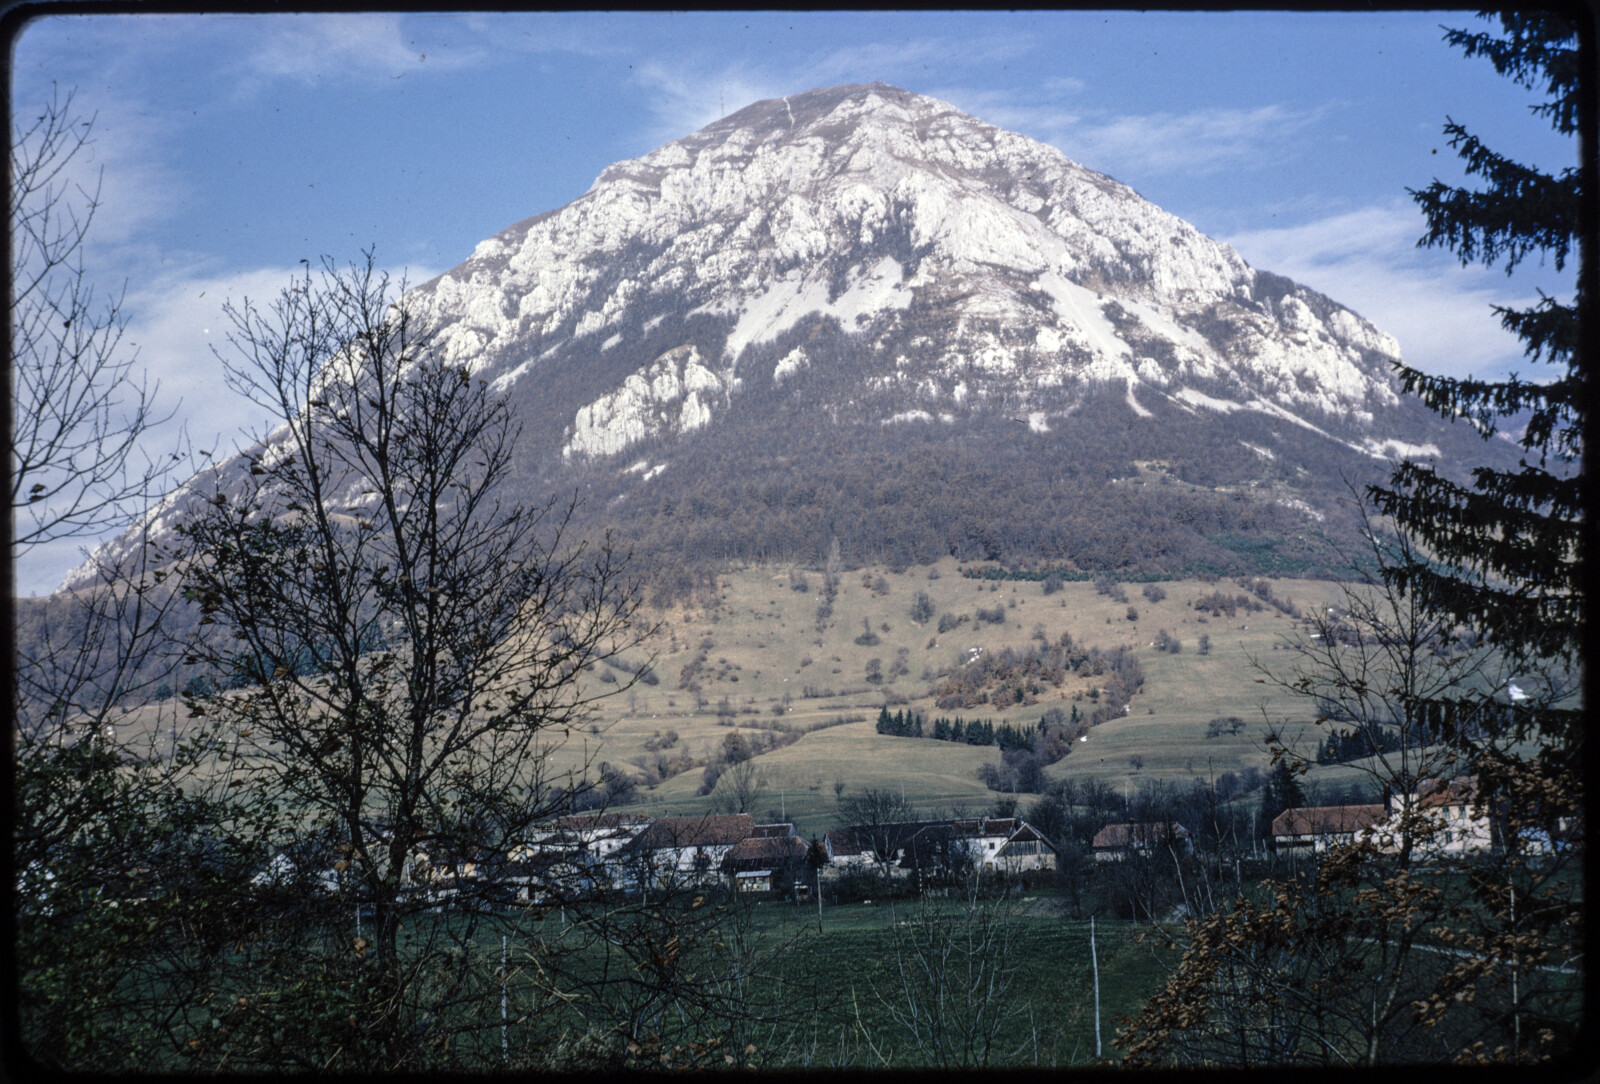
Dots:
{"x": 907, "y": 416}
{"x": 674, "y": 394}
{"x": 1399, "y": 449}
{"x": 796, "y": 296}
{"x": 1208, "y": 402}
{"x": 780, "y": 211}
{"x": 789, "y": 364}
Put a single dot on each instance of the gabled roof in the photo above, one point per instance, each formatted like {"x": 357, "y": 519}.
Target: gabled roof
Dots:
{"x": 773, "y": 831}
{"x": 1326, "y": 820}
{"x": 718, "y": 830}
{"x": 843, "y": 843}
{"x": 583, "y": 822}
{"x": 1462, "y": 790}
{"x": 764, "y": 852}
{"x": 1115, "y": 836}
{"x": 1026, "y": 833}
{"x": 985, "y": 826}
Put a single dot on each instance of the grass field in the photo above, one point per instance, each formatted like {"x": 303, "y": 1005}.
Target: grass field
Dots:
{"x": 767, "y": 654}
{"x": 767, "y": 666}
{"x": 841, "y": 984}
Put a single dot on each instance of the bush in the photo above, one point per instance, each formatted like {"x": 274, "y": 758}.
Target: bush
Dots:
{"x": 708, "y": 779}
{"x": 1154, "y": 592}
{"x": 949, "y": 621}
{"x": 922, "y": 608}
{"x": 996, "y": 616}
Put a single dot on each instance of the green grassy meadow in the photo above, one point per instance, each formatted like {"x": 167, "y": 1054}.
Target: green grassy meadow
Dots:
{"x": 759, "y": 649}
{"x": 839, "y": 984}
{"x": 770, "y": 662}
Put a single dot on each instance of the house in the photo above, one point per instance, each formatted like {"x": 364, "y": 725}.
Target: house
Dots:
{"x": 766, "y": 863}
{"x": 1007, "y": 844}
{"x": 940, "y": 849}
{"x": 1115, "y": 842}
{"x": 572, "y": 854}
{"x": 845, "y": 852}
{"x": 888, "y": 847}
{"x": 1460, "y": 831}
{"x": 546, "y": 876}
{"x": 1025, "y": 850}
{"x": 1449, "y": 828}
{"x": 1313, "y": 829}
{"x": 675, "y": 852}
{"x": 600, "y": 834}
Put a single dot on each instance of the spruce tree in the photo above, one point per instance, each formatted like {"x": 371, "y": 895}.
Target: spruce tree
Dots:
{"x": 1506, "y": 549}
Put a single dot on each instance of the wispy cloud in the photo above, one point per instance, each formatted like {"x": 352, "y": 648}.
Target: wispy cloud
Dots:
{"x": 692, "y": 91}
{"x": 1367, "y": 259}
{"x": 1202, "y": 141}
{"x": 177, "y": 327}
{"x": 684, "y": 98}
{"x": 319, "y": 48}
{"x": 1062, "y": 111}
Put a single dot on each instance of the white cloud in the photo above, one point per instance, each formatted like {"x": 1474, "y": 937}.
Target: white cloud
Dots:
{"x": 683, "y": 99}
{"x": 120, "y": 165}
{"x": 1060, "y": 111}
{"x": 174, "y": 323}
{"x": 179, "y": 326}
{"x": 1367, "y": 259}
{"x": 1198, "y": 142}
{"x": 313, "y": 48}
{"x": 691, "y": 92}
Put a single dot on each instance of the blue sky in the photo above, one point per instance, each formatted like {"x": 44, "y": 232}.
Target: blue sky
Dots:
{"x": 231, "y": 147}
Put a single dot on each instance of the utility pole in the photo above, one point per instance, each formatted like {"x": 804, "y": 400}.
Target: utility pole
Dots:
{"x": 1094, "y": 962}
{"x": 819, "y": 898}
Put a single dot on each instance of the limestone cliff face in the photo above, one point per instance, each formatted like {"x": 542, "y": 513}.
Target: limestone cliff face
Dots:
{"x": 858, "y": 281}
{"x": 874, "y": 209}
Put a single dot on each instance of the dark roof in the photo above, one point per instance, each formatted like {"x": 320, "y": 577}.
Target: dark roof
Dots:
{"x": 1326, "y": 819}
{"x": 764, "y": 853}
{"x": 1114, "y": 836}
{"x": 718, "y": 830}
{"x": 986, "y": 826}
{"x": 579, "y": 822}
{"x": 843, "y": 843}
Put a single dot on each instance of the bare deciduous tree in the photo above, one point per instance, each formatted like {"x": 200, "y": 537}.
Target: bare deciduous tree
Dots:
{"x": 954, "y": 965}
{"x": 406, "y": 647}
{"x": 96, "y": 787}
{"x": 79, "y": 409}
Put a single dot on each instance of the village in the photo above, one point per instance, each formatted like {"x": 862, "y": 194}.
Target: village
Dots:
{"x": 591, "y": 855}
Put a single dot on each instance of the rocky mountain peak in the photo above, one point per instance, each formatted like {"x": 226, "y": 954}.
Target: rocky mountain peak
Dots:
{"x": 862, "y": 266}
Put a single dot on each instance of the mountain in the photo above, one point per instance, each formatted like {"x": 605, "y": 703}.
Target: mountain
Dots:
{"x": 859, "y": 313}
